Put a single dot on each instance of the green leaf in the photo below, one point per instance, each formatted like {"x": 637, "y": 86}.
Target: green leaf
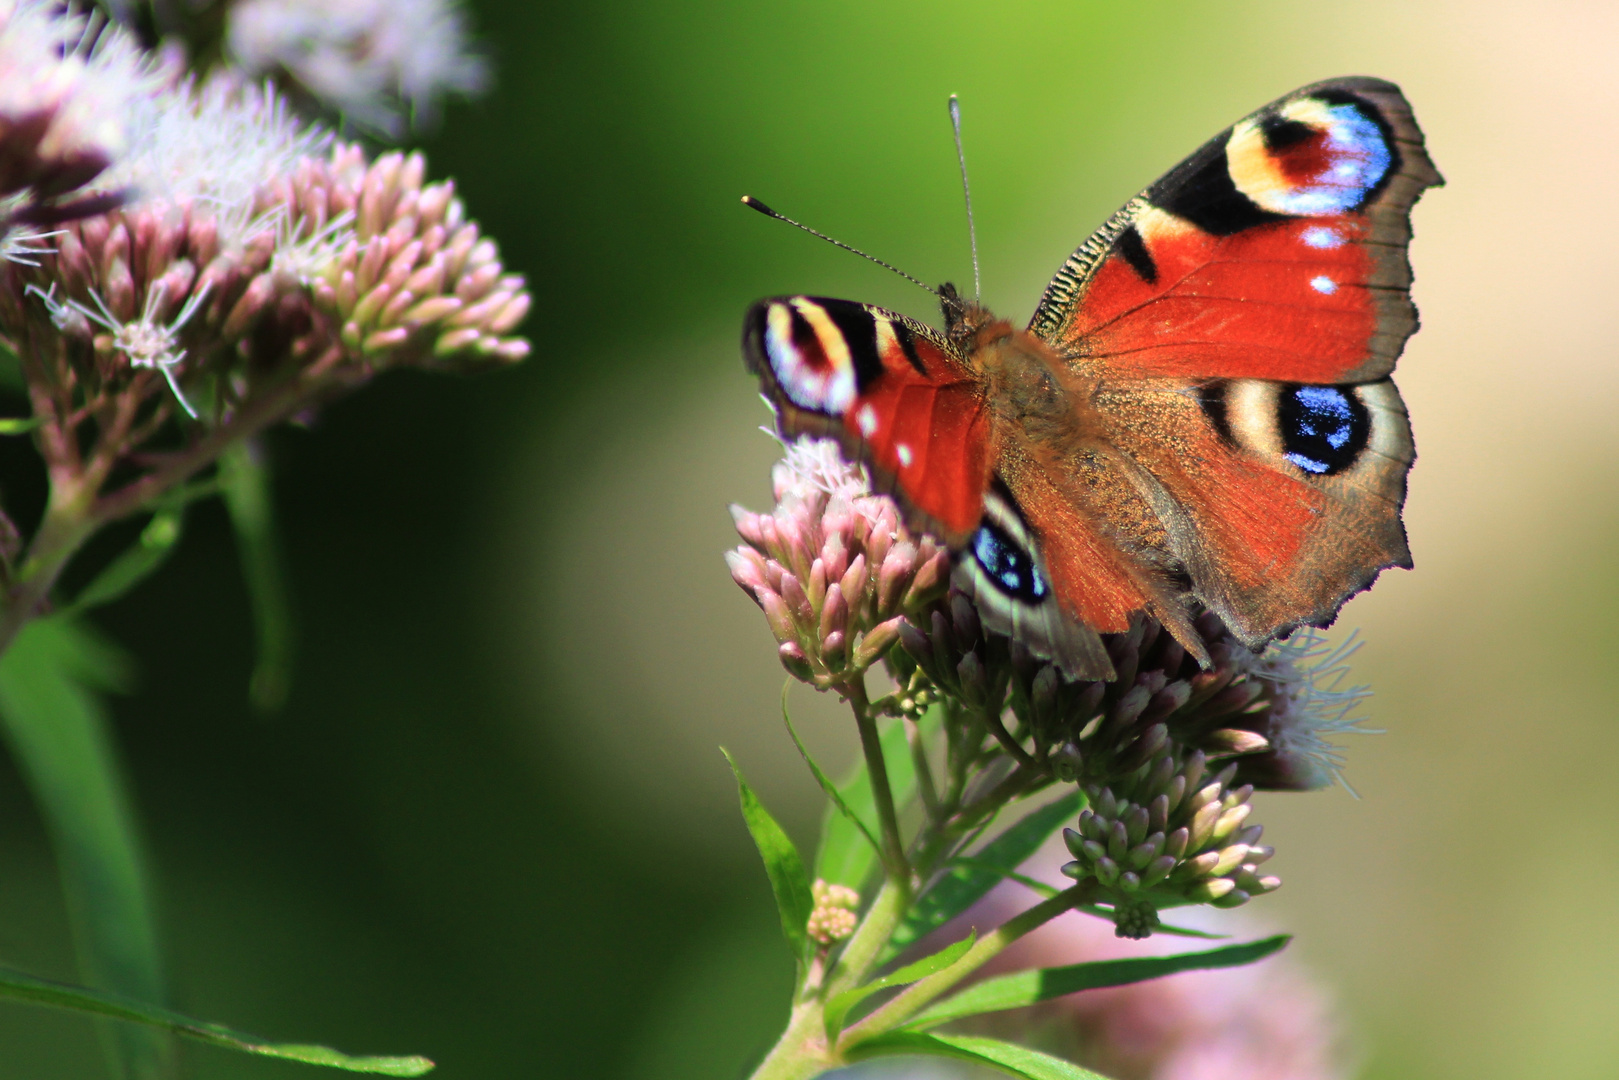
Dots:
{"x": 58, "y": 733}
{"x": 16, "y": 986}
{"x": 137, "y": 562}
{"x": 11, "y": 377}
{"x": 1028, "y": 987}
{"x": 1009, "y": 1058}
{"x": 838, "y": 1007}
{"x": 245, "y": 484}
{"x": 783, "y": 864}
{"x": 1032, "y": 884}
{"x": 844, "y": 856}
{"x": 821, "y": 778}
{"x": 965, "y": 882}
{"x": 18, "y": 425}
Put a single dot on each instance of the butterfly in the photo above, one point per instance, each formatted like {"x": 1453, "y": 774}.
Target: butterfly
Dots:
{"x": 1199, "y": 415}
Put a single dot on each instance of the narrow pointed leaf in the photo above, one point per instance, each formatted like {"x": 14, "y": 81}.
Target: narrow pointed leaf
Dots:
{"x": 1028, "y": 987}
{"x": 844, "y": 857}
{"x": 29, "y": 989}
{"x": 1009, "y": 1058}
{"x": 964, "y": 884}
{"x": 20, "y": 425}
{"x": 825, "y": 781}
{"x": 56, "y": 728}
{"x": 245, "y": 484}
{"x": 783, "y": 865}
{"x": 136, "y": 563}
{"x": 838, "y": 1007}
{"x": 1047, "y": 891}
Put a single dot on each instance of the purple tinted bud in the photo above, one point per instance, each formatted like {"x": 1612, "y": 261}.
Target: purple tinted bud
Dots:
{"x": 797, "y": 602}
{"x": 834, "y": 612}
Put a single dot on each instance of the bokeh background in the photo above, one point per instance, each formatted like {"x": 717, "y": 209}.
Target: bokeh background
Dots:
{"x": 492, "y": 824}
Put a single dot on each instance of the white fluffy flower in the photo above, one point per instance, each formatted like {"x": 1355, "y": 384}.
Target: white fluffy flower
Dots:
{"x": 70, "y": 86}
{"x": 372, "y": 60}
{"x": 216, "y": 145}
{"x": 1312, "y": 705}
{"x": 813, "y": 468}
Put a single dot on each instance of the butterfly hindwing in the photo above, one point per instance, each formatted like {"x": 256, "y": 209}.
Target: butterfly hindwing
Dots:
{"x": 1004, "y": 570}
{"x": 1280, "y": 500}
{"x": 895, "y": 395}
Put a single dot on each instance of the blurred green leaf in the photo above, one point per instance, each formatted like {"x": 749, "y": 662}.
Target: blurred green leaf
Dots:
{"x": 821, "y": 778}
{"x": 838, "y": 1007}
{"x": 783, "y": 864}
{"x": 137, "y": 562}
{"x": 1005, "y": 1057}
{"x": 1029, "y": 987}
{"x": 1025, "y": 880}
{"x": 58, "y": 733}
{"x": 245, "y": 484}
{"x": 11, "y": 370}
{"x": 965, "y": 882}
{"x": 844, "y": 856}
{"x": 17, "y": 986}
{"x": 18, "y": 425}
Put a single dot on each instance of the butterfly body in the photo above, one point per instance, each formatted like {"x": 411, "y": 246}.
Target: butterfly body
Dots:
{"x": 1199, "y": 414}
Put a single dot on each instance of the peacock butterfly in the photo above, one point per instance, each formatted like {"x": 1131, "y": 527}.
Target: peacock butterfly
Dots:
{"x": 1198, "y": 416}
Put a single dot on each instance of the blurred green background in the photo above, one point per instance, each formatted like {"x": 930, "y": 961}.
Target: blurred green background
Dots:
{"x": 492, "y": 825}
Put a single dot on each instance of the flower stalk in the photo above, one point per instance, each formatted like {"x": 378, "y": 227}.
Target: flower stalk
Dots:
{"x": 1152, "y": 773}
{"x": 894, "y": 861}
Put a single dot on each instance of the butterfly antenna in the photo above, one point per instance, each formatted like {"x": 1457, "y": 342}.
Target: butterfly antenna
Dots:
{"x": 967, "y": 192}
{"x": 750, "y": 201}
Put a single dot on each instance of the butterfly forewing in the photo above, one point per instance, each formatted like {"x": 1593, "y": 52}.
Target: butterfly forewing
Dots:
{"x": 1276, "y": 251}
{"x": 893, "y": 393}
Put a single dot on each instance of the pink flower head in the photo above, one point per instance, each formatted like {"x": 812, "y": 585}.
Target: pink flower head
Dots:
{"x": 832, "y": 567}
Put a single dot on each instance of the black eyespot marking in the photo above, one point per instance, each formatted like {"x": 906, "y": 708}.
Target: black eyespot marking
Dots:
{"x": 907, "y": 345}
{"x": 1212, "y": 397}
{"x": 1007, "y": 564}
{"x": 1323, "y": 428}
{"x": 807, "y": 343}
{"x": 1281, "y": 133}
{"x": 1134, "y": 250}
{"x": 1201, "y": 190}
{"x": 859, "y": 329}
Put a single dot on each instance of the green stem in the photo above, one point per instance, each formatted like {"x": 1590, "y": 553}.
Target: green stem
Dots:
{"x": 919, "y": 995}
{"x": 882, "y": 792}
{"x": 871, "y": 936}
{"x": 66, "y": 527}
{"x": 992, "y": 721}
{"x": 924, "y": 772}
{"x": 801, "y": 1052}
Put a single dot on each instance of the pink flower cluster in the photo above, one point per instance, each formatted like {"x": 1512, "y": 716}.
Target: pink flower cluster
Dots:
{"x": 832, "y": 567}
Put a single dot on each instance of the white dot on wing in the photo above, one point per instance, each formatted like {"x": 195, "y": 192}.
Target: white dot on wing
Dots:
{"x": 905, "y": 455}
{"x": 1318, "y": 236}
{"x": 1324, "y": 284}
{"x": 867, "y": 419}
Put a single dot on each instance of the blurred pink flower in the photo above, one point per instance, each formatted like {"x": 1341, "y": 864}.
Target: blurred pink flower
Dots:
{"x": 374, "y": 61}
{"x": 1265, "y": 1021}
